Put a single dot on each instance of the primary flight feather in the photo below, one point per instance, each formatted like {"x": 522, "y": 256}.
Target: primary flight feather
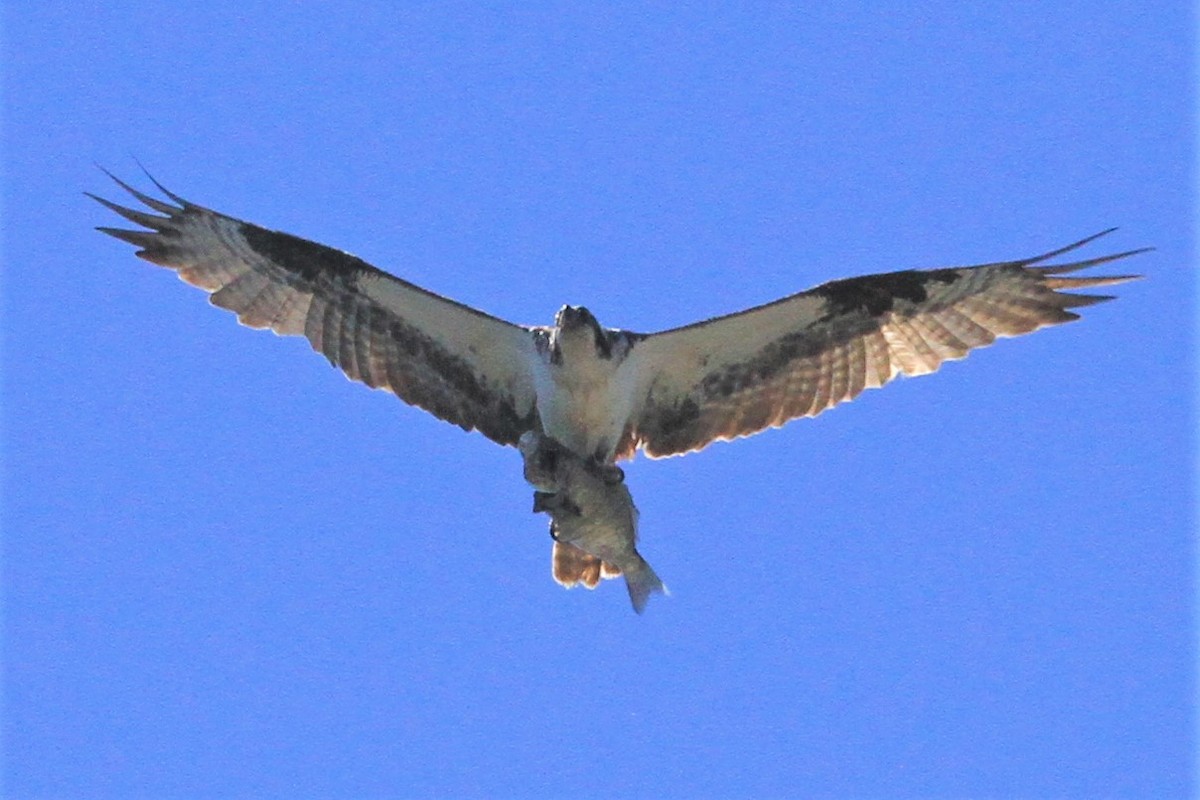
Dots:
{"x": 603, "y": 393}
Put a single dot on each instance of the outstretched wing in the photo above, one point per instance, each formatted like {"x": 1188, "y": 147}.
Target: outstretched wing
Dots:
{"x": 460, "y": 364}
{"x": 739, "y": 374}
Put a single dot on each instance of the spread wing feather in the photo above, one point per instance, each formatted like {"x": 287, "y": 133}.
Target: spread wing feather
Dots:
{"x": 460, "y": 364}
{"x": 735, "y": 375}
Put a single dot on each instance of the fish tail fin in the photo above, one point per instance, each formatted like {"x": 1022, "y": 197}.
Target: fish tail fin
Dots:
{"x": 641, "y": 581}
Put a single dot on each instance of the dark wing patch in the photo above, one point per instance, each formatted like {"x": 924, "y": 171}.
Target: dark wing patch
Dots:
{"x": 736, "y": 375}
{"x": 877, "y": 295}
{"x": 463, "y": 366}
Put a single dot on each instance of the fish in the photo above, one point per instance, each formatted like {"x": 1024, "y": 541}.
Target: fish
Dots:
{"x": 593, "y": 519}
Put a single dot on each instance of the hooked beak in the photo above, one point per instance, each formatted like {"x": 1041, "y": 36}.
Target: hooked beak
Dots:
{"x": 573, "y": 318}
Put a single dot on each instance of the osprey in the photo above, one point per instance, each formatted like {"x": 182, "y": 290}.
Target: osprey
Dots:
{"x": 604, "y": 393}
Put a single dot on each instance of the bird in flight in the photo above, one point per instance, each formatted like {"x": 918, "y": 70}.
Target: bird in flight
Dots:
{"x": 605, "y": 393}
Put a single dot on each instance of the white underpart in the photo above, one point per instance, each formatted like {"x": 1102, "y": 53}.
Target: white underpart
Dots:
{"x": 585, "y": 401}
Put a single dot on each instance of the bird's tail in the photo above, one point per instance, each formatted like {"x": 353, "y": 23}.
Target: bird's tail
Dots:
{"x": 641, "y": 581}
{"x": 572, "y": 566}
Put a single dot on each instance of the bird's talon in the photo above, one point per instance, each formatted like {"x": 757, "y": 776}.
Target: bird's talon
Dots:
{"x": 543, "y": 502}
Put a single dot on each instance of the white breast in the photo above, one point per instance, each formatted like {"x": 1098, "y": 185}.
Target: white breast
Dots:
{"x": 586, "y": 403}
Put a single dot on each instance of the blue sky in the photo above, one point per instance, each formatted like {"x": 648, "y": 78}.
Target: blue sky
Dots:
{"x": 230, "y": 572}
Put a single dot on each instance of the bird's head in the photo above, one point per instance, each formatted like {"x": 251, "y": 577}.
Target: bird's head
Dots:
{"x": 577, "y": 329}
{"x": 571, "y": 318}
